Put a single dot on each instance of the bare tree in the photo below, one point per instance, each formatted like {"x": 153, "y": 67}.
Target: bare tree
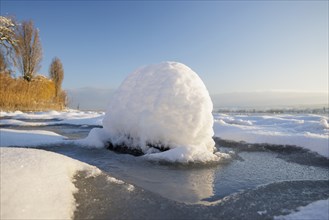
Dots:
{"x": 28, "y": 50}
{"x": 56, "y": 73}
{"x": 7, "y": 33}
{"x": 8, "y": 41}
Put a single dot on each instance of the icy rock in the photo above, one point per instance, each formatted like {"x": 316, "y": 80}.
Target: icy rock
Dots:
{"x": 163, "y": 105}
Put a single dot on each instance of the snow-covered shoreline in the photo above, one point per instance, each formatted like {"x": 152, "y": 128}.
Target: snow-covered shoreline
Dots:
{"x": 29, "y": 138}
{"x": 37, "y": 184}
{"x": 36, "y": 167}
{"x": 309, "y": 131}
{"x": 70, "y": 116}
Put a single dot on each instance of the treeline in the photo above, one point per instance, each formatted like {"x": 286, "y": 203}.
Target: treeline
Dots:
{"x": 21, "y": 52}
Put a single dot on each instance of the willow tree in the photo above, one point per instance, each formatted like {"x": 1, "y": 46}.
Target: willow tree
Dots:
{"x": 28, "y": 49}
{"x": 56, "y": 73}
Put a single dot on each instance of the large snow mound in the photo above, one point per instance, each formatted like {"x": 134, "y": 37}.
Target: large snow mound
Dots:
{"x": 37, "y": 184}
{"x": 163, "y": 105}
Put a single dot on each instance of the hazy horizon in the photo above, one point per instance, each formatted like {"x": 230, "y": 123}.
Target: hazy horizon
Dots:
{"x": 92, "y": 98}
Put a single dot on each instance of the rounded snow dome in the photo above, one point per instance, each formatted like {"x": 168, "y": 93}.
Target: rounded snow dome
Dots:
{"x": 165, "y": 105}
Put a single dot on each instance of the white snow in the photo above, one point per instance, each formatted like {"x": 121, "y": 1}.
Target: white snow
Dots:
{"x": 186, "y": 154}
{"x": 163, "y": 104}
{"x": 304, "y": 130}
{"x": 129, "y": 187}
{"x": 307, "y": 131}
{"x": 324, "y": 123}
{"x": 318, "y": 210}
{"x": 16, "y": 122}
{"x": 171, "y": 126}
{"x": 95, "y": 139}
{"x": 37, "y": 184}
{"x": 72, "y": 117}
{"x": 24, "y": 138}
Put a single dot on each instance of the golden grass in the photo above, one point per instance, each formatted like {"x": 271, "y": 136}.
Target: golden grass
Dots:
{"x": 36, "y": 95}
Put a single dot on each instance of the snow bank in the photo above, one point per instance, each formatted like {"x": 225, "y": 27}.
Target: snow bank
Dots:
{"x": 33, "y": 138}
{"x": 307, "y": 131}
{"x": 37, "y": 184}
{"x": 43, "y": 115}
{"x": 15, "y": 122}
{"x": 316, "y": 210}
{"x": 163, "y": 105}
{"x": 73, "y": 117}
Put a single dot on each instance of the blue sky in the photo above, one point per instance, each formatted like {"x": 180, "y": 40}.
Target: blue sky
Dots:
{"x": 235, "y": 46}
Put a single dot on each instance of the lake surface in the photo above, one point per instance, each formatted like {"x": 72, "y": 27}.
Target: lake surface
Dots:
{"x": 258, "y": 182}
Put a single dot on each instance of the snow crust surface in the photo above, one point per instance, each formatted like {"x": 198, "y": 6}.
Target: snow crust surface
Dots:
{"x": 33, "y": 138}
{"x": 95, "y": 139}
{"x": 37, "y": 184}
{"x": 167, "y": 105}
{"x": 316, "y": 210}
{"x": 70, "y": 116}
{"x": 306, "y": 131}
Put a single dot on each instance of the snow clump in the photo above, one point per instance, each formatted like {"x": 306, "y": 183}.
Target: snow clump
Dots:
{"x": 163, "y": 105}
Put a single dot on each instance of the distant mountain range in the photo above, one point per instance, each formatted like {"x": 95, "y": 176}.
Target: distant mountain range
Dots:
{"x": 91, "y": 98}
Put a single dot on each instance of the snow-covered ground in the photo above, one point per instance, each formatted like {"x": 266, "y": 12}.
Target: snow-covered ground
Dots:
{"x": 70, "y": 116}
{"x": 34, "y": 138}
{"x": 316, "y": 210}
{"x": 37, "y": 184}
{"x": 307, "y": 131}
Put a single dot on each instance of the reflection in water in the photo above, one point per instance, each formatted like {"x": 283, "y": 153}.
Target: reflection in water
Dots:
{"x": 183, "y": 185}
{"x": 201, "y": 184}
{"x": 191, "y": 184}
{"x": 180, "y": 183}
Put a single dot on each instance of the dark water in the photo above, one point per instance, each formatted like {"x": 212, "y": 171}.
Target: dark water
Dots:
{"x": 259, "y": 182}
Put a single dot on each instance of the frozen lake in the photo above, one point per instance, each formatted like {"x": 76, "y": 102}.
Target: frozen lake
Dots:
{"x": 259, "y": 181}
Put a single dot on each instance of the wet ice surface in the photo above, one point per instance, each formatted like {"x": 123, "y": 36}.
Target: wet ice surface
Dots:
{"x": 250, "y": 188}
{"x": 197, "y": 183}
{"x": 98, "y": 199}
{"x": 258, "y": 183}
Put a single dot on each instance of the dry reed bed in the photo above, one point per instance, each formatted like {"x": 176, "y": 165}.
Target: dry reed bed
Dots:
{"x": 36, "y": 95}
